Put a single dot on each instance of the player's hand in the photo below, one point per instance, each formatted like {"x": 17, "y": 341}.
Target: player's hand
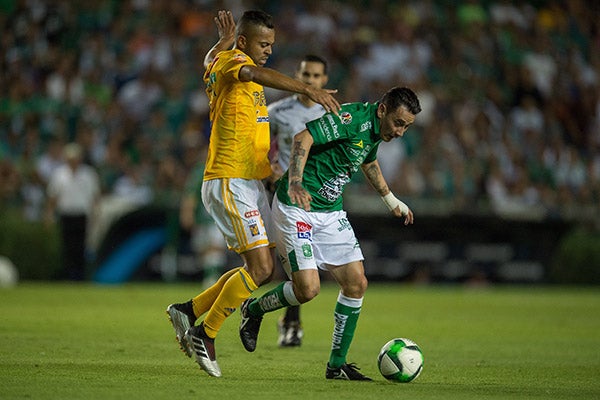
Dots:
{"x": 324, "y": 97}
{"x": 409, "y": 218}
{"x": 225, "y": 25}
{"x": 299, "y": 196}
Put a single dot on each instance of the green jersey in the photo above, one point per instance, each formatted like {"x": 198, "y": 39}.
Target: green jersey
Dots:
{"x": 341, "y": 145}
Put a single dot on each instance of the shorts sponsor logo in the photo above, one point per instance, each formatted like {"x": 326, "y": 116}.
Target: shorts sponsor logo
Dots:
{"x": 304, "y": 230}
{"x": 344, "y": 224}
{"x": 250, "y": 214}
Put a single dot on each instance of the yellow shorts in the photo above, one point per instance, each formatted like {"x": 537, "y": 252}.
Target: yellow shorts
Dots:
{"x": 241, "y": 210}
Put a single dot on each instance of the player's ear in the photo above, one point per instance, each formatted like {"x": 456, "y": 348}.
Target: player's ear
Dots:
{"x": 381, "y": 109}
{"x": 241, "y": 42}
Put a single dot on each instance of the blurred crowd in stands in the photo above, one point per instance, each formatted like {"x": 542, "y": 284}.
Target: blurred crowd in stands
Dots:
{"x": 510, "y": 92}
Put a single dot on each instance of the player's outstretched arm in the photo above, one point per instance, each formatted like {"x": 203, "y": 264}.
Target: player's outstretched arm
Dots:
{"x": 373, "y": 174}
{"x": 276, "y": 80}
{"x": 226, "y": 28}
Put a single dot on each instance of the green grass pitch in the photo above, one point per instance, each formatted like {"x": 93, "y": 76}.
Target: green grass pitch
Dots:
{"x": 84, "y": 341}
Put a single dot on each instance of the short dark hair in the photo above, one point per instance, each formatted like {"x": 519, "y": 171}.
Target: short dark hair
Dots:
{"x": 317, "y": 59}
{"x": 253, "y": 18}
{"x": 401, "y": 96}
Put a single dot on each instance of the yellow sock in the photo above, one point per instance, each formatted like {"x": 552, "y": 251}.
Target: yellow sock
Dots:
{"x": 205, "y": 300}
{"x": 237, "y": 289}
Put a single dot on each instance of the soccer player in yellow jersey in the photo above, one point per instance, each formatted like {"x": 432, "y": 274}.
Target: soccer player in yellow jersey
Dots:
{"x": 232, "y": 190}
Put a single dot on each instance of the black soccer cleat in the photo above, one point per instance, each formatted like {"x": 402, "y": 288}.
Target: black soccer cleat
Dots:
{"x": 249, "y": 326}
{"x": 348, "y": 372}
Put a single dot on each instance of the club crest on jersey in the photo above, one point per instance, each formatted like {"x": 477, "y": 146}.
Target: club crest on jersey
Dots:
{"x": 346, "y": 118}
{"x": 304, "y": 230}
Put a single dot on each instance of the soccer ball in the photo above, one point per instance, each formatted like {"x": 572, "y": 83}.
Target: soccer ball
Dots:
{"x": 400, "y": 360}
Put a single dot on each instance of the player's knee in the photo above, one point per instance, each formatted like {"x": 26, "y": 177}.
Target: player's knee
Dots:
{"x": 357, "y": 288}
{"x": 305, "y": 293}
{"x": 261, "y": 272}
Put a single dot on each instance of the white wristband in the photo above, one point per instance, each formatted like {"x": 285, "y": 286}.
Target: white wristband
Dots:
{"x": 392, "y": 202}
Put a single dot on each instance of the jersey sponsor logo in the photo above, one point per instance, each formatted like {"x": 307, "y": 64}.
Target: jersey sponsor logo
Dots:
{"x": 346, "y": 118}
{"x": 326, "y": 131}
{"x": 262, "y": 119}
{"x": 336, "y": 134}
{"x": 329, "y": 127}
{"x": 259, "y": 98}
{"x": 252, "y": 213}
{"x": 239, "y": 57}
{"x": 359, "y": 144}
{"x": 304, "y": 230}
{"x": 334, "y": 187}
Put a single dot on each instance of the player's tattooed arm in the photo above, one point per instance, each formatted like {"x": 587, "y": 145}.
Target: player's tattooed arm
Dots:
{"x": 299, "y": 154}
{"x": 298, "y": 158}
{"x": 373, "y": 174}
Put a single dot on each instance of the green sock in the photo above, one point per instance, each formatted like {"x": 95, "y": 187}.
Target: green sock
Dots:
{"x": 346, "y": 315}
{"x": 273, "y": 300}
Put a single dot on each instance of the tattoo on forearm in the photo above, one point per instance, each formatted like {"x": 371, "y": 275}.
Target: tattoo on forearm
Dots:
{"x": 298, "y": 154}
{"x": 374, "y": 176}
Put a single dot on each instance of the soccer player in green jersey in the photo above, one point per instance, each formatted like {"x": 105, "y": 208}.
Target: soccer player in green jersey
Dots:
{"x": 311, "y": 228}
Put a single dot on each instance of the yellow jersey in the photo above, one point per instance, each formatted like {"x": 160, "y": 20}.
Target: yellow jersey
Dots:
{"x": 239, "y": 137}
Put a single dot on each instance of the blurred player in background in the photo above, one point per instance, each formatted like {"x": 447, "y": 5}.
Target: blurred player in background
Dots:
{"x": 312, "y": 230}
{"x": 237, "y": 162}
{"x": 287, "y": 117}
{"x": 73, "y": 195}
